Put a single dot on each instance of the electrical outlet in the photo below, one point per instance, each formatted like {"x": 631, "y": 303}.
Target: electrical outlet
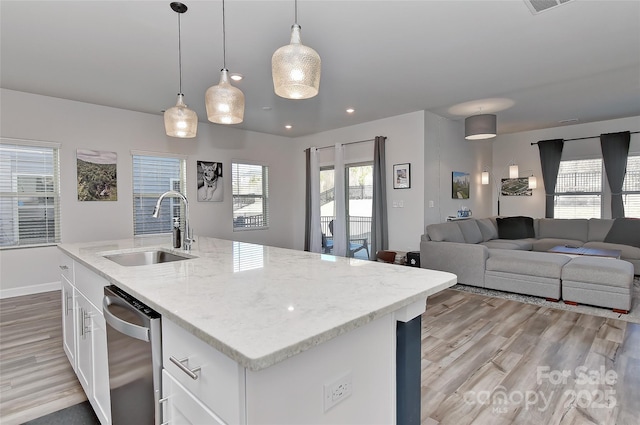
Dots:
{"x": 337, "y": 390}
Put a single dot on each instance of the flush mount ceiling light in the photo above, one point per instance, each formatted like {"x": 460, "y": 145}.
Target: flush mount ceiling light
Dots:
{"x": 180, "y": 121}
{"x": 224, "y": 103}
{"x": 478, "y": 127}
{"x": 295, "y": 68}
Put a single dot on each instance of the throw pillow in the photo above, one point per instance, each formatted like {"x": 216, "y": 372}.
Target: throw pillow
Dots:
{"x": 518, "y": 227}
{"x": 625, "y": 231}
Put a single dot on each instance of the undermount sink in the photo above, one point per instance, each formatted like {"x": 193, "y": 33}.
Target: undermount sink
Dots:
{"x": 144, "y": 258}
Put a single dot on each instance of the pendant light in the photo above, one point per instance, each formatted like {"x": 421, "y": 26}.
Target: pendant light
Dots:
{"x": 478, "y": 127}
{"x": 180, "y": 121}
{"x": 295, "y": 67}
{"x": 225, "y": 103}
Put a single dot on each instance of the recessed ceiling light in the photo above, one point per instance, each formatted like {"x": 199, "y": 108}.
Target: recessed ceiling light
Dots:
{"x": 266, "y": 108}
{"x": 569, "y": 121}
{"x": 236, "y": 77}
{"x": 350, "y": 111}
{"x": 288, "y": 126}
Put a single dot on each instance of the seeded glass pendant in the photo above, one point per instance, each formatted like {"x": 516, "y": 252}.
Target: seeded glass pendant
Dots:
{"x": 295, "y": 68}
{"x": 180, "y": 121}
{"x": 224, "y": 103}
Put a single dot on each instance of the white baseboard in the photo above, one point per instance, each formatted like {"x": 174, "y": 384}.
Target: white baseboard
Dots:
{"x": 29, "y": 290}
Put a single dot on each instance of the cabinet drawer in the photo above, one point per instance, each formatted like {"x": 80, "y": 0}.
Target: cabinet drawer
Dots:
{"x": 90, "y": 284}
{"x": 66, "y": 266}
{"x": 181, "y": 407}
{"x": 220, "y": 380}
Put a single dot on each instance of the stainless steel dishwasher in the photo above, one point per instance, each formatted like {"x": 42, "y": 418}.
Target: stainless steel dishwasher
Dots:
{"x": 135, "y": 358}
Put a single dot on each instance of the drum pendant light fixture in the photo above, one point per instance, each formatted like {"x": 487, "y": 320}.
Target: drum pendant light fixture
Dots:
{"x": 224, "y": 103}
{"x": 478, "y": 127}
{"x": 180, "y": 121}
{"x": 295, "y": 68}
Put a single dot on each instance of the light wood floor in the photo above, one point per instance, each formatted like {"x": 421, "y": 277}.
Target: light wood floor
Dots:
{"x": 474, "y": 349}
{"x": 495, "y": 361}
{"x": 35, "y": 375}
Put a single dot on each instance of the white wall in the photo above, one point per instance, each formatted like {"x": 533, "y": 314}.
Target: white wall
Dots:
{"x": 81, "y": 125}
{"x": 517, "y": 147}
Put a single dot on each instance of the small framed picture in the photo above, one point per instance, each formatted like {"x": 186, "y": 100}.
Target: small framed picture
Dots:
{"x": 460, "y": 185}
{"x": 401, "y": 176}
{"x": 210, "y": 186}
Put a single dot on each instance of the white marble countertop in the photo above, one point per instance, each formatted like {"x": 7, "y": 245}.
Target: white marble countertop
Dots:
{"x": 259, "y": 304}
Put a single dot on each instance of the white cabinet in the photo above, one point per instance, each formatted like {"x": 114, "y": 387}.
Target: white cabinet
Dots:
{"x": 180, "y": 407}
{"x": 84, "y": 333}
{"x": 68, "y": 321}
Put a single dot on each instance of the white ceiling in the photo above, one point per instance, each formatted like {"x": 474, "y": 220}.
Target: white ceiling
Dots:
{"x": 579, "y": 61}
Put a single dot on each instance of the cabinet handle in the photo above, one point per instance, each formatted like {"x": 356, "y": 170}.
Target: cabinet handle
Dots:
{"x": 64, "y": 267}
{"x": 84, "y": 329}
{"x": 67, "y": 298}
{"x": 185, "y": 369}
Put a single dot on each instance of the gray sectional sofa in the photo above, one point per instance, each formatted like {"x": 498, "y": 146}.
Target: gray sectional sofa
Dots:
{"x": 473, "y": 251}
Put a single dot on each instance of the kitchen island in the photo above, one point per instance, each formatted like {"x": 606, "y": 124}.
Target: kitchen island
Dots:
{"x": 310, "y": 338}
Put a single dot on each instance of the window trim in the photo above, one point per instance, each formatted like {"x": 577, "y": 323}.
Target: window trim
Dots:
{"x": 55, "y": 194}
{"x": 601, "y": 193}
{"x": 265, "y": 196}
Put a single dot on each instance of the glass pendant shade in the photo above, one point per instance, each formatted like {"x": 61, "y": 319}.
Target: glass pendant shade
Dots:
{"x": 484, "y": 177}
{"x": 225, "y": 103}
{"x": 296, "y": 69}
{"x": 513, "y": 172}
{"x": 533, "y": 182}
{"x": 180, "y": 121}
{"x": 478, "y": 127}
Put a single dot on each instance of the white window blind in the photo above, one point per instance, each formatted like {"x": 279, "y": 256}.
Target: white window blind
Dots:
{"x": 29, "y": 195}
{"x": 579, "y": 189}
{"x": 250, "y": 185}
{"x": 631, "y": 188}
{"x": 152, "y": 176}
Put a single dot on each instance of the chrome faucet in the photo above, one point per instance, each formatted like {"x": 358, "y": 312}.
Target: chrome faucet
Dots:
{"x": 188, "y": 237}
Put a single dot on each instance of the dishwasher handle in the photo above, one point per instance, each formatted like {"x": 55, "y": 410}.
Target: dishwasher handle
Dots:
{"x": 122, "y": 326}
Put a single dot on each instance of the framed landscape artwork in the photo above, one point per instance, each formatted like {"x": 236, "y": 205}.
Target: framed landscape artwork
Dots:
{"x": 97, "y": 177}
{"x": 402, "y": 176}
{"x": 516, "y": 187}
{"x": 459, "y": 185}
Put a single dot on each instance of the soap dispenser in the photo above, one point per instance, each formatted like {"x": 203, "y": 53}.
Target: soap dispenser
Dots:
{"x": 176, "y": 232}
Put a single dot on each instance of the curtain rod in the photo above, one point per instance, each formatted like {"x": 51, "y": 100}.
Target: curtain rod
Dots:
{"x": 585, "y": 138}
{"x": 349, "y": 143}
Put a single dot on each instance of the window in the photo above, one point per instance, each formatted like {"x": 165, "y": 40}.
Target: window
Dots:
{"x": 631, "y": 188}
{"x": 29, "y": 194}
{"x": 250, "y": 187}
{"x": 152, "y": 176}
{"x": 579, "y": 189}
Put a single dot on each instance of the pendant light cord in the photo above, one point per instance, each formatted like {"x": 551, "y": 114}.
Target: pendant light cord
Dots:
{"x": 295, "y": 7}
{"x": 179, "y": 54}
{"x": 224, "y": 40}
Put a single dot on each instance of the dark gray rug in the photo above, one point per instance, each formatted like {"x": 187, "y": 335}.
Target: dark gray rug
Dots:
{"x": 80, "y": 414}
{"x": 633, "y": 315}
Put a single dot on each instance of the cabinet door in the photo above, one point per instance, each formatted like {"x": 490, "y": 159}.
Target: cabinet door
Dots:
{"x": 84, "y": 358}
{"x": 68, "y": 322}
{"x": 100, "y": 378}
{"x": 181, "y": 407}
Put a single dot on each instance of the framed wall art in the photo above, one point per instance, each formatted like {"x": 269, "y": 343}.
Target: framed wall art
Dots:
{"x": 460, "y": 185}
{"x": 210, "y": 186}
{"x": 516, "y": 187}
{"x": 97, "y": 175}
{"x": 402, "y": 176}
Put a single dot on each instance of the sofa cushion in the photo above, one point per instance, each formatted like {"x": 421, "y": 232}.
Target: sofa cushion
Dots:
{"x": 518, "y": 227}
{"x": 470, "y": 231}
{"x": 488, "y": 229}
{"x": 625, "y": 231}
{"x": 598, "y": 228}
{"x": 572, "y": 229}
{"x": 519, "y": 244}
{"x": 540, "y": 264}
{"x": 445, "y": 232}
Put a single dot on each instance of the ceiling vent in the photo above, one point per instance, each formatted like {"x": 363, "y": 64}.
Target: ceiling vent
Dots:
{"x": 537, "y": 6}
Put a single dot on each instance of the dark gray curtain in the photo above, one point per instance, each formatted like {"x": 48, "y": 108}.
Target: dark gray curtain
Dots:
{"x": 550, "y": 154}
{"x": 615, "y": 149}
{"x": 307, "y": 202}
{"x": 379, "y": 229}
